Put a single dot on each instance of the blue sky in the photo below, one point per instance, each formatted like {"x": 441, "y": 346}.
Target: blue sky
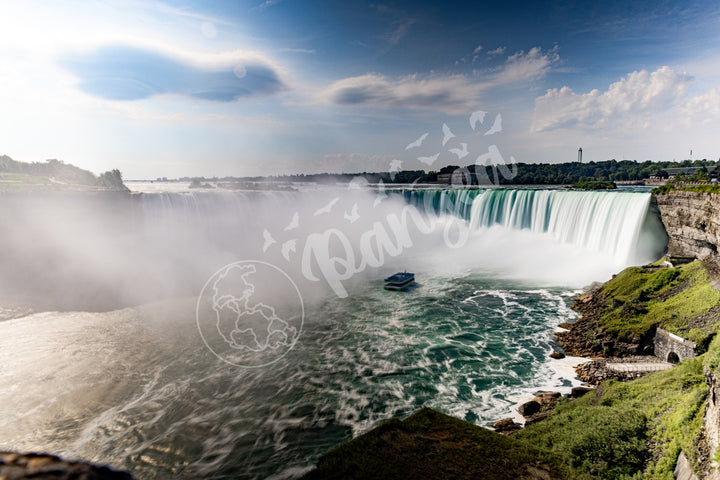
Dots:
{"x": 190, "y": 88}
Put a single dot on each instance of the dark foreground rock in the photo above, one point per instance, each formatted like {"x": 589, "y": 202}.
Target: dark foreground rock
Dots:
{"x": 15, "y": 466}
{"x": 539, "y": 407}
{"x": 431, "y": 445}
{"x": 578, "y": 392}
{"x": 506, "y": 426}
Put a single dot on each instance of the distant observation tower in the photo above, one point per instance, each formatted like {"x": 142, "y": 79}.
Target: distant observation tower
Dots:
{"x": 580, "y": 154}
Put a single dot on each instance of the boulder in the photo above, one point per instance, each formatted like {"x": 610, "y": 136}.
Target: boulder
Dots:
{"x": 578, "y": 392}
{"x": 506, "y": 426}
{"x": 529, "y": 408}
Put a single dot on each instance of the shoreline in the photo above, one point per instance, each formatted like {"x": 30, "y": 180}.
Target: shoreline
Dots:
{"x": 564, "y": 369}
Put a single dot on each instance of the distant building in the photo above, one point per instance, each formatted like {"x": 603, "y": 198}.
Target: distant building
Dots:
{"x": 456, "y": 178}
{"x": 580, "y": 154}
{"x": 671, "y": 173}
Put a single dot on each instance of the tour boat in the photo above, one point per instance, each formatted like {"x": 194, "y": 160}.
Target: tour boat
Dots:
{"x": 399, "y": 281}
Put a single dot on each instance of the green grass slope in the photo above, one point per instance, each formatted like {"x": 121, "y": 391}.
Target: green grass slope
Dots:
{"x": 675, "y": 299}
{"x": 431, "y": 445}
{"x": 629, "y": 430}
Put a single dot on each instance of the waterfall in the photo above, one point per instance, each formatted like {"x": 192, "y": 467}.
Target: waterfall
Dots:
{"x": 457, "y": 202}
{"x": 609, "y": 222}
{"x": 618, "y": 223}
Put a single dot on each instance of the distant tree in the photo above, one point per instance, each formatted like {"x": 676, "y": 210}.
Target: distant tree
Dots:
{"x": 112, "y": 180}
{"x": 449, "y": 169}
{"x": 700, "y": 176}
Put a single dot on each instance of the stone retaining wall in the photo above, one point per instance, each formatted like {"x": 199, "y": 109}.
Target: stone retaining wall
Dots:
{"x": 671, "y": 348}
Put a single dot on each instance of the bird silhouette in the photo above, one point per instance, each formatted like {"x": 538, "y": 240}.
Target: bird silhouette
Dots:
{"x": 417, "y": 142}
{"x": 497, "y": 126}
{"x": 460, "y": 152}
{"x": 327, "y": 208}
{"x": 294, "y": 223}
{"x": 429, "y": 160}
{"x": 476, "y": 117}
{"x": 447, "y": 134}
{"x": 353, "y": 216}
{"x": 288, "y": 247}
{"x": 269, "y": 240}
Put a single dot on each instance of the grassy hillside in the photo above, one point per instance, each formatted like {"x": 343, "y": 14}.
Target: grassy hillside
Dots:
{"x": 625, "y": 429}
{"x": 53, "y": 175}
{"x": 675, "y": 299}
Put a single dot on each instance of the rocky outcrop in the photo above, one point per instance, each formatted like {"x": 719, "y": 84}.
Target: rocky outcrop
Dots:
{"x": 683, "y": 469}
{"x": 712, "y": 421}
{"x": 586, "y": 338}
{"x": 539, "y": 407}
{"x": 16, "y": 466}
{"x": 692, "y": 222}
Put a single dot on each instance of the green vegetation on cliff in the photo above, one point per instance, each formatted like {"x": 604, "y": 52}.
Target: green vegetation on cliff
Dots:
{"x": 669, "y": 187}
{"x": 595, "y": 185}
{"x": 675, "y": 299}
{"x": 54, "y": 175}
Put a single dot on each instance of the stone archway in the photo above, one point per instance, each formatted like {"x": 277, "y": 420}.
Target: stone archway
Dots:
{"x": 673, "y": 357}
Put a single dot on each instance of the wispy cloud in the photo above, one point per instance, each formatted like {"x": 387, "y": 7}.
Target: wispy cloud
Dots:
{"x": 523, "y": 67}
{"x": 126, "y": 72}
{"x": 399, "y": 20}
{"x": 166, "y": 9}
{"x": 300, "y": 50}
{"x": 266, "y": 4}
{"x": 639, "y": 94}
{"x": 496, "y": 51}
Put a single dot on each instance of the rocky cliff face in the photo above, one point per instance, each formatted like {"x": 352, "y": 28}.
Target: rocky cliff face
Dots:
{"x": 712, "y": 421}
{"x": 692, "y": 221}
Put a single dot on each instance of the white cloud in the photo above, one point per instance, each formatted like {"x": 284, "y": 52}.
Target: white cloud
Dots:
{"x": 523, "y": 67}
{"x": 632, "y": 98}
{"x": 478, "y": 49}
{"x": 496, "y": 51}
{"x": 703, "y": 107}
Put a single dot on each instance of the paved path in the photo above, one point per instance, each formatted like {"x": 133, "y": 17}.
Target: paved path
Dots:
{"x": 641, "y": 367}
